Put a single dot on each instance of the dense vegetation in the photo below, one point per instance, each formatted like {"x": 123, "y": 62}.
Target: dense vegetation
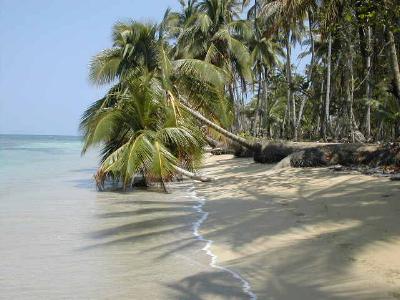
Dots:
{"x": 227, "y": 64}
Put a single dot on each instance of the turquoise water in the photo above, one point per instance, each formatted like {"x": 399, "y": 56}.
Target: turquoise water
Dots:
{"x": 61, "y": 239}
{"x": 31, "y": 163}
{"x": 25, "y": 157}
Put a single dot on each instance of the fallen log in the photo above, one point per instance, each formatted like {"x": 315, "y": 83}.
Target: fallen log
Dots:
{"x": 322, "y": 154}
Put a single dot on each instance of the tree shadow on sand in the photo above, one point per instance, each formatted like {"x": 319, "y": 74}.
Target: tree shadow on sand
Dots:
{"x": 209, "y": 285}
{"x": 318, "y": 233}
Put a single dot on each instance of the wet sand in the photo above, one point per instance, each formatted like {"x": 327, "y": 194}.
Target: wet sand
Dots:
{"x": 304, "y": 233}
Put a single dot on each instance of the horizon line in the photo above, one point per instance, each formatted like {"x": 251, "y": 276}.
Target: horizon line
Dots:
{"x": 39, "y": 134}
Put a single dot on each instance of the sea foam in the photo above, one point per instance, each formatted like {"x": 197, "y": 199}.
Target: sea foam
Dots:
{"x": 207, "y": 248}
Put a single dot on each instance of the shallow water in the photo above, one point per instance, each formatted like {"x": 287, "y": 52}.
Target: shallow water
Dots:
{"x": 61, "y": 239}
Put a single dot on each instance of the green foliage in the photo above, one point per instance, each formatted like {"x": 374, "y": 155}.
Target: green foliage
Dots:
{"x": 238, "y": 73}
{"x": 139, "y": 122}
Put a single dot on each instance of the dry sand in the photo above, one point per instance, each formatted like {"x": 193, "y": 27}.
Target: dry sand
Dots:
{"x": 303, "y": 233}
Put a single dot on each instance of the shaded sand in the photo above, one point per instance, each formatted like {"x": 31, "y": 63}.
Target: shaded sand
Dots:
{"x": 303, "y": 233}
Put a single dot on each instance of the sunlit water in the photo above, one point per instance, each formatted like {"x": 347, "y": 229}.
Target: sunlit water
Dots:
{"x": 61, "y": 239}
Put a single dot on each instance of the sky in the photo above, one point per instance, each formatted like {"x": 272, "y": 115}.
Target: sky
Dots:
{"x": 45, "y": 49}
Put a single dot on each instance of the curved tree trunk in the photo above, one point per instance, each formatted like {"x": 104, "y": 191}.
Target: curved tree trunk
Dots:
{"x": 192, "y": 175}
{"x": 241, "y": 141}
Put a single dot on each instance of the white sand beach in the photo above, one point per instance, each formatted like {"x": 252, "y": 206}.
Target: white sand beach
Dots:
{"x": 304, "y": 233}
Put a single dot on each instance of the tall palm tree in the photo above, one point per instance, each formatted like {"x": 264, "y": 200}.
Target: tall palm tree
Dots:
{"x": 213, "y": 32}
{"x": 289, "y": 16}
{"x": 264, "y": 51}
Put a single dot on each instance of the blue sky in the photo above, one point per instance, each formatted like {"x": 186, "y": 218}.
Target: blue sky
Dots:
{"x": 45, "y": 49}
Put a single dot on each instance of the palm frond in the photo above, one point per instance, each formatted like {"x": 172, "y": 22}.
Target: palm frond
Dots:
{"x": 104, "y": 67}
{"x": 201, "y": 70}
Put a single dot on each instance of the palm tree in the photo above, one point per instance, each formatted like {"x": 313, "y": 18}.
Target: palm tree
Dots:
{"x": 143, "y": 134}
{"x": 213, "y": 32}
{"x": 264, "y": 52}
{"x": 195, "y": 76}
{"x": 288, "y": 16}
{"x": 326, "y": 122}
{"x": 155, "y": 97}
{"x": 134, "y": 45}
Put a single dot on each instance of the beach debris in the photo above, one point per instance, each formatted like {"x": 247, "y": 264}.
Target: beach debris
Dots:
{"x": 336, "y": 167}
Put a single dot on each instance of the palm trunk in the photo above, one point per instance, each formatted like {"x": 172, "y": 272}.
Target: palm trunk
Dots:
{"x": 312, "y": 46}
{"x": 394, "y": 64}
{"x": 321, "y": 114}
{"x": 264, "y": 117}
{"x": 351, "y": 95}
{"x": 192, "y": 175}
{"x": 290, "y": 98}
{"x": 328, "y": 88}
{"x": 300, "y": 116}
{"x": 237, "y": 139}
{"x": 309, "y": 79}
{"x": 349, "y": 85}
{"x": 257, "y": 111}
{"x": 368, "y": 84}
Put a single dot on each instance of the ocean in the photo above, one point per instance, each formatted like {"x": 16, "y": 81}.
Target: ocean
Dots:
{"x": 62, "y": 239}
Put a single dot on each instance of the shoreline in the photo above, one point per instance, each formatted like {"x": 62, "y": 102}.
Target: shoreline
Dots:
{"x": 303, "y": 233}
{"x": 246, "y": 287}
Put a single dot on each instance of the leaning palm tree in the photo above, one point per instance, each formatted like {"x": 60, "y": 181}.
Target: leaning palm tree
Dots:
{"x": 142, "y": 134}
{"x": 148, "y": 121}
{"x": 202, "y": 83}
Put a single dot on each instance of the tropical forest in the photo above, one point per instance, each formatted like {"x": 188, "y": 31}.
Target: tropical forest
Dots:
{"x": 314, "y": 80}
